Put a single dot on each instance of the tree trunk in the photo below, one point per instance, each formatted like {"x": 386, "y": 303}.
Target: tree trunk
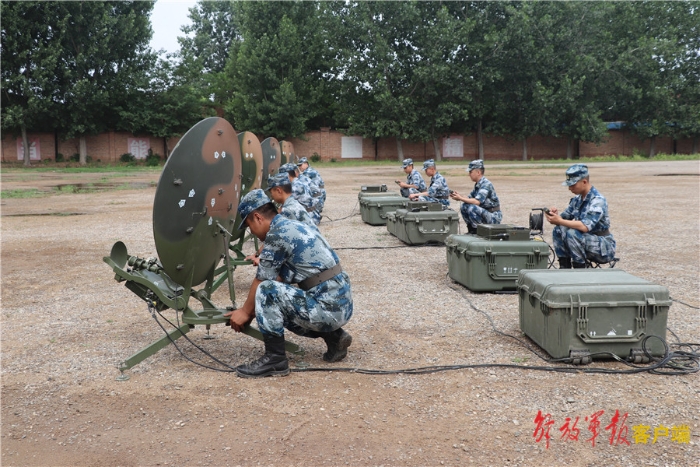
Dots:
{"x": 83, "y": 150}
{"x": 652, "y": 147}
{"x": 438, "y": 153}
{"x": 25, "y": 145}
{"x": 399, "y": 148}
{"x": 524, "y": 149}
{"x": 480, "y": 140}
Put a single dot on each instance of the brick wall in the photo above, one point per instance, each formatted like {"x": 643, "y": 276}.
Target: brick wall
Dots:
{"x": 108, "y": 147}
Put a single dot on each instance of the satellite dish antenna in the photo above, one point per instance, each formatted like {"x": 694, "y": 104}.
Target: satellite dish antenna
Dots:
{"x": 252, "y": 155}
{"x": 199, "y": 187}
{"x": 288, "y": 152}
{"x": 272, "y": 158}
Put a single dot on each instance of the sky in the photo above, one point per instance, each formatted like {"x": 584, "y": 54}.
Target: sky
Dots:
{"x": 167, "y": 18}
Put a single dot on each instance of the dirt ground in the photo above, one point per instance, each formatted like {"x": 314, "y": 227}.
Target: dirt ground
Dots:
{"x": 66, "y": 325}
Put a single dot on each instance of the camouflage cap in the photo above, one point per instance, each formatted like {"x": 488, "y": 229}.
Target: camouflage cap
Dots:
{"x": 303, "y": 160}
{"x": 279, "y": 179}
{"x": 288, "y": 167}
{"x": 428, "y": 163}
{"x": 475, "y": 164}
{"x": 250, "y": 202}
{"x": 406, "y": 163}
{"x": 575, "y": 173}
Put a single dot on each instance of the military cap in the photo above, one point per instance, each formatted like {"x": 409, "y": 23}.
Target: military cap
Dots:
{"x": 279, "y": 179}
{"x": 250, "y": 202}
{"x": 428, "y": 163}
{"x": 575, "y": 173}
{"x": 301, "y": 161}
{"x": 406, "y": 163}
{"x": 288, "y": 167}
{"x": 476, "y": 164}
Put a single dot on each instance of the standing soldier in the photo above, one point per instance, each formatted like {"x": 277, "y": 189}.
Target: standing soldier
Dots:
{"x": 320, "y": 306}
{"x": 438, "y": 190}
{"x": 582, "y": 231}
{"x": 414, "y": 182}
{"x": 482, "y": 205}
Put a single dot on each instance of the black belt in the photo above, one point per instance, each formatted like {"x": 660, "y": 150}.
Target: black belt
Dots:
{"x": 601, "y": 233}
{"x": 322, "y": 276}
{"x": 496, "y": 208}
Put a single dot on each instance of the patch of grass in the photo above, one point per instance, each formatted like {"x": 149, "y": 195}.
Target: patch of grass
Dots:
{"x": 22, "y": 193}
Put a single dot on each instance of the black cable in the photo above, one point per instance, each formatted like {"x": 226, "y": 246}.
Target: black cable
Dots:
{"x": 352, "y": 213}
{"x": 683, "y": 303}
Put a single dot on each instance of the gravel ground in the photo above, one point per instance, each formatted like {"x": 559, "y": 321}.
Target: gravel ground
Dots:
{"x": 66, "y": 324}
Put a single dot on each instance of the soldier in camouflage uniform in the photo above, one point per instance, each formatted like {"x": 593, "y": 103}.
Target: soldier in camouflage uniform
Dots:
{"x": 438, "y": 190}
{"x": 414, "y": 182}
{"x": 294, "y": 253}
{"x": 582, "y": 231}
{"x": 280, "y": 189}
{"x": 315, "y": 178}
{"x": 482, "y": 205}
{"x": 303, "y": 191}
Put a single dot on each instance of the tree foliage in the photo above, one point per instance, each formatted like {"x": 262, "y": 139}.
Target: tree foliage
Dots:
{"x": 411, "y": 70}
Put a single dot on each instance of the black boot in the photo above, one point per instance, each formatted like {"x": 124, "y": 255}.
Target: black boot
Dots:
{"x": 564, "y": 263}
{"x": 338, "y": 342}
{"x": 273, "y": 363}
{"x": 578, "y": 265}
{"x": 471, "y": 229}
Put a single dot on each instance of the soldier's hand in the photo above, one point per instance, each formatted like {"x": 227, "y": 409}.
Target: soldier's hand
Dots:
{"x": 254, "y": 259}
{"x": 238, "y": 319}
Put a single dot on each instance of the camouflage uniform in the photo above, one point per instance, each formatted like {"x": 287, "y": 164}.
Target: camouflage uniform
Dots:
{"x": 301, "y": 191}
{"x": 414, "y": 178}
{"x": 315, "y": 177}
{"x": 294, "y": 252}
{"x": 438, "y": 190}
{"x": 488, "y": 211}
{"x": 579, "y": 246}
{"x": 292, "y": 209}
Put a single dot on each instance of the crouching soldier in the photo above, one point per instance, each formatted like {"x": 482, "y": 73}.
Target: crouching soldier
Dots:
{"x": 320, "y": 306}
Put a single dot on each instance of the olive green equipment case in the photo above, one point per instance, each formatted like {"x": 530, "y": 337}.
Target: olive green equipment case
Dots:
{"x": 592, "y": 313}
{"x": 375, "y": 190}
{"x": 483, "y": 265}
{"x": 422, "y": 222}
{"x": 374, "y": 209}
{"x": 502, "y": 232}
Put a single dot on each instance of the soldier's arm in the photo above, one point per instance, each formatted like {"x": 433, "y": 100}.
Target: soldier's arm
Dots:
{"x": 241, "y": 317}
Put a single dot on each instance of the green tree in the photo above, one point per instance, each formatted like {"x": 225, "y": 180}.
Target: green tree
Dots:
{"x": 278, "y": 75}
{"x": 30, "y": 51}
{"x": 104, "y": 63}
{"x": 205, "y": 49}
{"x": 376, "y": 64}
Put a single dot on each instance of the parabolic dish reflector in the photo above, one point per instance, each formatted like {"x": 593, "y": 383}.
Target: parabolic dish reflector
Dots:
{"x": 200, "y": 185}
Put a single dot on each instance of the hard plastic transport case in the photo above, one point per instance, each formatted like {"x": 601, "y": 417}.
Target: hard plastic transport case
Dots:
{"x": 591, "y": 313}
{"x": 484, "y": 265}
{"x": 375, "y": 190}
{"x": 421, "y": 222}
{"x": 374, "y": 209}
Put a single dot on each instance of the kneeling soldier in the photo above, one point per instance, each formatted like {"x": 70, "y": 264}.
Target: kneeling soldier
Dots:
{"x": 319, "y": 307}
